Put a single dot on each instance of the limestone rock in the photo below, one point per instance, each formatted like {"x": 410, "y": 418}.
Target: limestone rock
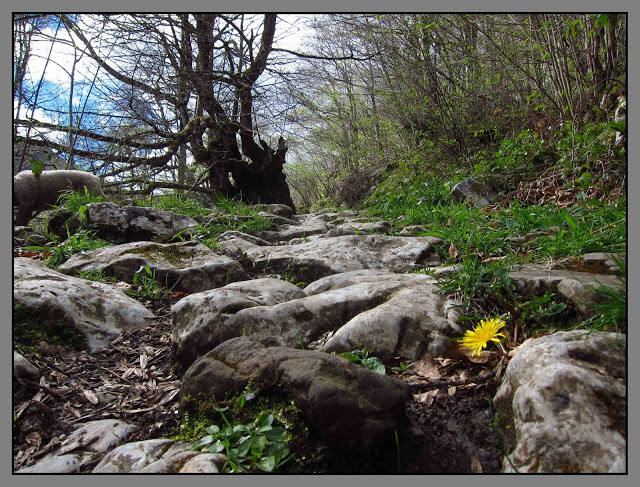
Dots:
{"x": 351, "y": 407}
{"x": 94, "y": 309}
{"x": 81, "y": 447}
{"x": 24, "y": 369}
{"x": 159, "y": 456}
{"x": 390, "y": 314}
{"x": 577, "y": 288}
{"x": 135, "y": 223}
{"x": 472, "y": 192}
{"x": 187, "y": 266}
{"x": 562, "y": 404}
{"x": 201, "y": 320}
{"x": 276, "y": 209}
{"x": 332, "y": 255}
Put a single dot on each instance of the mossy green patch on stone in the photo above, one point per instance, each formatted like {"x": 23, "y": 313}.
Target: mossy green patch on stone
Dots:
{"x": 31, "y": 327}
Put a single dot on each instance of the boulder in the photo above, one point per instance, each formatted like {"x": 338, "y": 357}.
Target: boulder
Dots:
{"x": 389, "y": 314}
{"x": 276, "y": 209}
{"x": 135, "y": 223}
{"x": 201, "y": 320}
{"x": 472, "y": 192}
{"x": 318, "y": 258}
{"x": 576, "y": 288}
{"x": 351, "y": 407}
{"x": 96, "y": 310}
{"x": 159, "y": 456}
{"x": 82, "y": 446}
{"x": 23, "y": 369}
{"x": 189, "y": 266}
{"x": 562, "y": 404}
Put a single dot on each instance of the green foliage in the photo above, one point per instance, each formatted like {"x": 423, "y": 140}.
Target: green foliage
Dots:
{"x": 361, "y": 357}
{"x": 610, "y": 313}
{"x": 98, "y": 276}
{"x": 259, "y": 444}
{"x": 77, "y": 201}
{"x": 228, "y": 215}
{"x": 145, "y": 284}
{"x": 78, "y": 242}
{"x": 176, "y": 203}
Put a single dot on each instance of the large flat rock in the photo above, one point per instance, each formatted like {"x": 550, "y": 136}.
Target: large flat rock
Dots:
{"x": 332, "y": 255}
{"x": 188, "y": 266}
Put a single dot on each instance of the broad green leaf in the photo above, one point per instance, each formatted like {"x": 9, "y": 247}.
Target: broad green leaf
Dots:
{"x": 374, "y": 364}
{"x": 204, "y": 441}
{"x": 265, "y": 419}
{"x": 352, "y": 357}
{"x": 267, "y": 464}
{"x": 217, "y": 447}
{"x": 213, "y": 429}
{"x": 275, "y": 434}
{"x": 257, "y": 445}
{"x": 244, "y": 447}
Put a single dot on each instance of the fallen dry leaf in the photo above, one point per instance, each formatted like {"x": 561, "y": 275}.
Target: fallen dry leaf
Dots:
{"x": 453, "y": 250}
{"x": 426, "y": 398}
{"x": 426, "y": 368}
{"x": 91, "y": 397}
{"x": 476, "y": 466}
{"x": 143, "y": 361}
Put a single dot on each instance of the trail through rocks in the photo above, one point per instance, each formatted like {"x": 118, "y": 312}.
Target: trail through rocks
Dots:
{"x": 268, "y": 310}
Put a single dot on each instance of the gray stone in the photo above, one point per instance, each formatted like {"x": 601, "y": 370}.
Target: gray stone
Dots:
{"x": 562, "y": 404}
{"x": 390, "y": 314}
{"x": 159, "y": 456}
{"x": 96, "y": 310}
{"x": 82, "y": 445}
{"x": 187, "y": 266}
{"x": 318, "y": 258}
{"x": 472, "y": 192}
{"x": 135, "y": 223}
{"x": 287, "y": 232}
{"x": 576, "y": 288}
{"x": 411, "y": 230}
{"x": 202, "y": 319}
{"x": 24, "y": 369}
{"x": 276, "y": 209}
{"x": 603, "y": 260}
{"x": 351, "y": 407}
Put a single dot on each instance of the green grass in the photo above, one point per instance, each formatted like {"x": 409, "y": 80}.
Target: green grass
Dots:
{"x": 174, "y": 202}
{"x": 228, "y": 215}
{"x": 78, "y": 242}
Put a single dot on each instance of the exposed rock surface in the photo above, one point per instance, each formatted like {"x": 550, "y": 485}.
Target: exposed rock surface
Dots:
{"x": 82, "y": 446}
{"x": 135, "y": 223}
{"x": 472, "y": 192}
{"x": 203, "y": 320}
{"x": 577, "y": 288}
{"x": 24, "y": 369}
{"x": 319, "y": 258}
{"x": 159, "y": 456}
{"x": 562, "y": 404}
{"x": 187, "y": 266}
{"x": 389, "y": 314}
{"x": 349, "y": 405}
{"x": 96, "y": 310}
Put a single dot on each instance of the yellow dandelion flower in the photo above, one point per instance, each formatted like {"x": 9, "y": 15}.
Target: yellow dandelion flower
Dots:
{"x": 481, "y": 335}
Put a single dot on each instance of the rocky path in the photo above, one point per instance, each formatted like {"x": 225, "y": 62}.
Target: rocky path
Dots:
{"x": 268, "y": 312}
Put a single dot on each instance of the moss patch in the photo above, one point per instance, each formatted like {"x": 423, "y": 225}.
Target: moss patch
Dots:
{"x": 30, "y": 327}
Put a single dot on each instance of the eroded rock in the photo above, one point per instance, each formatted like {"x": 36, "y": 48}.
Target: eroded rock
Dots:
{"x": 187, "y": 266}
{"x": 350, "y": 406}
{"x": 159, "y": 456}
{"x": 332, "y": 255}
{"x": 135, "y": 223}
{"x": 576, "y": 288}
{"x": 82, "y": 446}
{"x": 201, "y": 321}
{"x": 562, "y": 404}
{"x": 96, "y": 310}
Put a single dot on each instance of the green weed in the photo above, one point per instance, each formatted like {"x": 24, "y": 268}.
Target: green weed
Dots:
{"x": 361, "y": 357}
